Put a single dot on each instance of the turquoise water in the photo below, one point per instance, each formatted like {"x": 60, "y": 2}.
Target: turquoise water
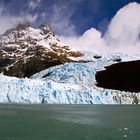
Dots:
{"x": 69, "y": 122}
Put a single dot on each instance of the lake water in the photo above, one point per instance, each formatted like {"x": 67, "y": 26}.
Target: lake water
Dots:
{"x": 69, "y": 122}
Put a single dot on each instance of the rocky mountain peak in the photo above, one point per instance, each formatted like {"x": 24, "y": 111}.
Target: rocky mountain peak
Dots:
{"x": 25, "y": 50}
{"x": 23, "y": 26}
{"x": 46, "y": 28}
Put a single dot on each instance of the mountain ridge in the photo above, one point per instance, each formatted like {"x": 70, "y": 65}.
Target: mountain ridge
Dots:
{"x": 25, "y": 47}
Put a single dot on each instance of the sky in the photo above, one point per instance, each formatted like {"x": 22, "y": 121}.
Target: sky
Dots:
{"x": 111, "y": 25}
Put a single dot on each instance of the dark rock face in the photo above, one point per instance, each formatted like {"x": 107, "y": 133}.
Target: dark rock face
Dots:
{"x": 123, "y": 76}
{"x": 35, "y": 64}
{"x": 46, "y": 29}
{"x": 97, "y": 56}
{"x": 5, "y": 62}
{"x": 26, "y": 50}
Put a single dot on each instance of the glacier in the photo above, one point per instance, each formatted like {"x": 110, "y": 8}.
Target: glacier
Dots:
{"x": 70, "y": 83}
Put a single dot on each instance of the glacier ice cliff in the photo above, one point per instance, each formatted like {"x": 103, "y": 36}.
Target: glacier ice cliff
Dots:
{"x": 71, "y": 83}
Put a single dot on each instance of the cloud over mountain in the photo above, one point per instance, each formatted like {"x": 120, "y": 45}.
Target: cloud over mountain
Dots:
{"x": 123, "y": 33}
{"x": 7, "y": 20}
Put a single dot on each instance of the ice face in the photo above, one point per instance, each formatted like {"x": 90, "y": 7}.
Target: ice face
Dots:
{"x": 71, "y": 83}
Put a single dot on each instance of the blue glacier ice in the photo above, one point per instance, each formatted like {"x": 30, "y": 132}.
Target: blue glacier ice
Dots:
{"x": 70, "y": 83}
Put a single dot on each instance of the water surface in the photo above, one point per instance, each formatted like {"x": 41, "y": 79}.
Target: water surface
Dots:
{"x": 69, "y": 122}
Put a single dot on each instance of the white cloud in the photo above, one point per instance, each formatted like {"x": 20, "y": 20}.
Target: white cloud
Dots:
{"x": 34, "y": 4}
{"x": 8, "y": 21}
{"x": 61, "y": 17}
{"x": 124, "y": 28}
{"x": 90, "y": 41}
{"x": 123, "y": 33}
{"x": 60, "y": 20}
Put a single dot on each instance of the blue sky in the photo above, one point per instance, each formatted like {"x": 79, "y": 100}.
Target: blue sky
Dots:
{"x": 66, "y": 17}
{"x": 89, "y": 25}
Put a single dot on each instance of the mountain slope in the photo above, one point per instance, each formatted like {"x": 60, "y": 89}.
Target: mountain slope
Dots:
{"x": 26, "y": 50}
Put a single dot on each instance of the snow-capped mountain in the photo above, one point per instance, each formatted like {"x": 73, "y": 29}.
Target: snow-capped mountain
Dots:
{"x": 25, "y": 50}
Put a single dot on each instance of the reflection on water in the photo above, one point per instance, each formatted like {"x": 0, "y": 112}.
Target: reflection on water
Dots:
{"x": 75, "y": 115}
{"x": 83, "y": 119}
